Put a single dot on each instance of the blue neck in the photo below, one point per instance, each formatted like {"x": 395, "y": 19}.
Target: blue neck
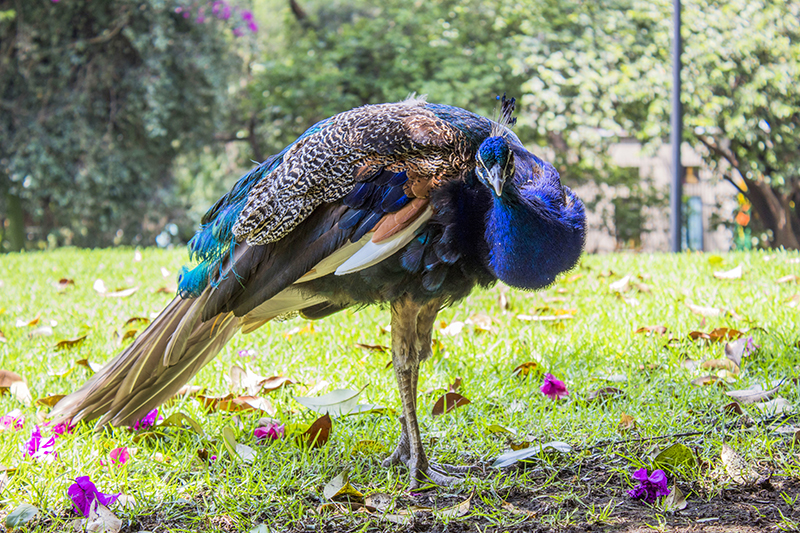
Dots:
{"x": 530, "y": 242}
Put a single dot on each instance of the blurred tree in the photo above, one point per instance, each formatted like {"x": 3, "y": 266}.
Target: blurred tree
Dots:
{"x": 603, "y": 71}
{"x": 326, "y": 56}
{"x": 97, "y": 100}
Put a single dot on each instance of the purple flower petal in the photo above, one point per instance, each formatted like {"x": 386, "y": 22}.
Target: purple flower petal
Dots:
{"x": 273, "y": 430}
{"x": 83, "y": 493}
{"x": 149, "y": 420}
{"x": 651, "y": 487}
{"x": 13, "y": 419}
{"x": 35, "y": 448}
{"x": 119, "y": 456}
{"x": 247, "y": 15}
{"x": 553, "y": 388}
{"x": 253, "y": 26}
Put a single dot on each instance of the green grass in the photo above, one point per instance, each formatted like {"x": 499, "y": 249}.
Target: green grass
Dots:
{"x": 283, "y": 486}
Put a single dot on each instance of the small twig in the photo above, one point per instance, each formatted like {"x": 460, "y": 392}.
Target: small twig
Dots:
{"x": 644, "y": 439}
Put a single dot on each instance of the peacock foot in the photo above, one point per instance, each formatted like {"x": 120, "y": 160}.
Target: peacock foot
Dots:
{"x": 422, "y": 471}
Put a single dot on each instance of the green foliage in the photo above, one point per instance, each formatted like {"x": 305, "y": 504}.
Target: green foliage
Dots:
{"x": 344, "y": 54}
{"x": 97, "y": 100}
{"x": 604, "y": 72}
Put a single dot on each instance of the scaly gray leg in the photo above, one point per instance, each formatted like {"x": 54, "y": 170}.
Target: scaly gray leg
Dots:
{"x": 412, "y": 327}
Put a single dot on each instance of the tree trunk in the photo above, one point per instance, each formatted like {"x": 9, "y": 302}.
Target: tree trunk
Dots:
{"x": 772, "y": 208}
{"x": 16, "y": 222}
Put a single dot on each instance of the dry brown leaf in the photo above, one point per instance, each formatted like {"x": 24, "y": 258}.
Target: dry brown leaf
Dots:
{"x": 721, "y": 364}
{"x": 94, "y": 367}
{"x": 777, "y": 406}
{"x": 513, "y": 509}
{"x": 733, "y": 407}
{"x": 754, "y": 394}
{"x": 455, "y": 385}
{"x": 734, "y": 273}
{"x": 50, "y": 401}
{"x": 136, "y": 320}
{"x": 675, "y": 500}
{"x": 792, "y": 302}
{"x": 379, "y": 501}
{"x": 167, "y": 290}
{"x": 658, "y": 330}
{"x": 274, "y": 383}
{"x": 626, "y": 422}
{"x": 448, "y": 402}
{"x": 102, "y": 520}
{"x": 525, "y": 369}
{"x": 457, "y": 510}
{"x": 737, "y": 468}
{"x": 231, "y": 403}
{"x": 788, "y": 279}
{"x": 372, "y": 347}
{"x": 70, "y": 343}
{"x": 604, "y": 393}
{"x": 705, "y": 380}
{"x": 319, "y": 432}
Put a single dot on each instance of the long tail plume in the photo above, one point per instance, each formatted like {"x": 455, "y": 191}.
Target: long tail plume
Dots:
{"x": 152, "y": 369}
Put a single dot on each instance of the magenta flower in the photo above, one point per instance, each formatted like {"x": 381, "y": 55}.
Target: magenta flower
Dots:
{"x": 13, "y": 419}
{"x": 226, "y": 12}
{"x": 64, "y": 428}
{"x": 83, "y": 494}
{"x": 553, "y": 388}
{"x": 149, "y": 420}
{"x": 118, "y": 456}
{"x": 247, "y": 15}
{"x": 273, "y": 430}
{"x": 649, "y": 487}
{"x": 36, "y": 449}
{"x": 238, "y": 32}
{"x": 253, "y": 26}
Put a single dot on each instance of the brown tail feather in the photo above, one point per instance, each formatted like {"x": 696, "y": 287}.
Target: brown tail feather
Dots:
{"x": 161, "y": 360}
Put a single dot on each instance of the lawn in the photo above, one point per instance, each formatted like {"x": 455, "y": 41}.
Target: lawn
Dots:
{"x": 632, "y": 395}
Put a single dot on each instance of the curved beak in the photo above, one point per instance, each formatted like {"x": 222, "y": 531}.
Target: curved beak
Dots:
{"x": 495, "y": 178}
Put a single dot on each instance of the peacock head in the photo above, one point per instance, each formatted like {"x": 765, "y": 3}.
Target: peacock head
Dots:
{"x": 495, "y": 163}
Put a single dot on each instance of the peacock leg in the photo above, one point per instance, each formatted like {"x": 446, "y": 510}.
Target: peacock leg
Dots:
{"x": 412, "y": 327}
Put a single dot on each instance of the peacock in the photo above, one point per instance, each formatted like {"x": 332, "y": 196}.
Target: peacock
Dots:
{"x": 410, "y": 204}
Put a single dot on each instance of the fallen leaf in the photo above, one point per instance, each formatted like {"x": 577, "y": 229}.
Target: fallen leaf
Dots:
{"x": 236, "y": 449}
{"x": 94, "y": 367}
{"x": 510, "y": 458}
{"x": 658, "y": 330}
{"x": 457, "y": 510}
{"x": 704, "y": 311}
{"x": 339, "y": 488}
{"x": 777, "y": 406}
{"x": 544, "y": 318}
{"x": 525, "y": 369}
{"x": 739, "y": 348}
{"x": 754, "y": 394}
{"x": 177, "y": 420}
{"x": 372, "y": 347}
{"x": 319, "y": 432}
{"x": 337, "y": 403}
{"x": 99, "y": 286}
{"x": 675, "y": 500}
{"x": 734, "y": 273}
{"x": 42, "y": 331}
{"x": 720, "y": 364}
{"x": 513, "y": 509}
{"x": 733, "y": 407}
{"x": 705, "y": 380}
{"x": 3, "y": 337}
{"x": 792, "y": 302}
{"x": 788, "y": 279}
{"x": 136, "y": 320}
{"x": 70, "y": 343}
{"x": 737, "y": 468}
{"x": 621, "y": 285}
{"x": 8, "y": 377}
{"x": 274, "y": 383}
{"x": 448, "y": 402}
{"x": 231, "y": 403}
{"x": 23, "y": 513}
{"x": 604, "y": 393}
{"x": 455, "y": 385}
{"x": 483, "y": 322}
{"x": 626, "y": 422}
{"x": 676, "y": 457}
{"x": 379, "y": 501}
{"x": 102, "y": 520}
{"x": 121, "y": 293}
{"x": 49, "y": 401}
{"x": 453, "y": 329}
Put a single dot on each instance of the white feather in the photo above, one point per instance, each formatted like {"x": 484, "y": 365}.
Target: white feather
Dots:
{"x": 373, "y": 253}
